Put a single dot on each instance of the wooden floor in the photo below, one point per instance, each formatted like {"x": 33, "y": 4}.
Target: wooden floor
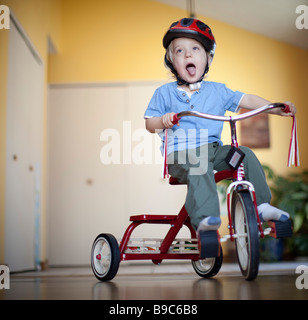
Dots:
{"x": 168, "y": 281}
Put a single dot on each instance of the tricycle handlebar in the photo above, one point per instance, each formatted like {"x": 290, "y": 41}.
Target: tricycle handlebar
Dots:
{"x": 246, "y": 115}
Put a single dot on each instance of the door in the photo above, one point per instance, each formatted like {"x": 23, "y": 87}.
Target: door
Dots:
{"x": 23, "y": 152}
{"x": 99, "y": 171}
{"x": 84, "y": 195}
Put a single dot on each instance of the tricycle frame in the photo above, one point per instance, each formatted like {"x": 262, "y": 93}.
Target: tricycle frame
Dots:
{"x": 188, "y": 249}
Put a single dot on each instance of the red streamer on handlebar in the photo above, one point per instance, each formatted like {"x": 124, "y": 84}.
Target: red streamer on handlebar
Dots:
{"x": 165, "y": 167}
{"x": 293, "y": 156}
{"x": 175, "y": 120}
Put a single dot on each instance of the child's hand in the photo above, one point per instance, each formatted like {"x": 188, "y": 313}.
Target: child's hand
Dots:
{"x": 167, "y": 120}
{"x": 291, "y": 112}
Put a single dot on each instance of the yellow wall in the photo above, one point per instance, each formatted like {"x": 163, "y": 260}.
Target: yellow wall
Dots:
{"x": 106, "y": 41}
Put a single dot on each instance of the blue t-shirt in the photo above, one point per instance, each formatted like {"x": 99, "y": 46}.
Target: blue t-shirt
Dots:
{"x": 212, "y": 98}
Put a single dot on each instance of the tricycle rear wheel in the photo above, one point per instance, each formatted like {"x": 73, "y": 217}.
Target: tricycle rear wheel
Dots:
{"x": 105, "y": 257}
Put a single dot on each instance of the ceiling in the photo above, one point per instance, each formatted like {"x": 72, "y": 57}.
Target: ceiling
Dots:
{"x": 272, "y": 18}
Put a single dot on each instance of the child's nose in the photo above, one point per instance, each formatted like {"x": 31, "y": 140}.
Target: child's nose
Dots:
{"x": 188, "y": 54}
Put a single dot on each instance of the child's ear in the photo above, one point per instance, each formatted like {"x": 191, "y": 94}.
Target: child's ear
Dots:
{"x": 169, "y": 55}
{"x": 209, "y": 59}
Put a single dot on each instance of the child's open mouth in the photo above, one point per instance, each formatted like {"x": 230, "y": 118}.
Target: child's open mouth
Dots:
{"x": 191, "y": 69}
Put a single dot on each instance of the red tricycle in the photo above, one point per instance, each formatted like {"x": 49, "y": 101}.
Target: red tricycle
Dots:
{"x": 245, "y": 227}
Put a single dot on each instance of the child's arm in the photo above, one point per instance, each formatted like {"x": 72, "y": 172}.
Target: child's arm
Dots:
{"x": 250, "y": 101}
{"x": 159, "y": 123}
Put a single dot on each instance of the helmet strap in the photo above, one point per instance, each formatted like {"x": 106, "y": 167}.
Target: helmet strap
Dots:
{"x": 195, "y": 86}
{"x": 180, "y": 81}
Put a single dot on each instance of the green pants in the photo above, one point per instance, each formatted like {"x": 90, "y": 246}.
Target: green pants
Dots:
{"x": 196, "y": 167}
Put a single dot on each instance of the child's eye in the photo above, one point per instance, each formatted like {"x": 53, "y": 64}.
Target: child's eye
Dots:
{"x": 179, "y": 51}
{"x": 196, "y": 48}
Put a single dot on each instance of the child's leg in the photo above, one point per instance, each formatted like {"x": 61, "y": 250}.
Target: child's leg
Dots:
{"x": 202, "y": 199}
{"x": 253, "y": 171}
{"x": 255, "y": 174}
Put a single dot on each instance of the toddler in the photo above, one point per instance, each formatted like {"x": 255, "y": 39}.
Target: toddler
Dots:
{"x": 190, "y": 47}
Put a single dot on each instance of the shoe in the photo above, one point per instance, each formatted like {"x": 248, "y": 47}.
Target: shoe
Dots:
{"x": 268, "y": 212}
{"x": 209, "y": 223}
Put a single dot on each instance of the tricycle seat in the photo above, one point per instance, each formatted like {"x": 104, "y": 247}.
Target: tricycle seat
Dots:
{"x": 174, "y": 181}
{"x": 219, "y": 175}
{"x": 153, "y": 218}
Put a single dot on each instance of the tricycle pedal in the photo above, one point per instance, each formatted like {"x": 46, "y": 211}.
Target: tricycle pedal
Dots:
{"x": 209, "y": 244}
{"x": 280, "y": 229}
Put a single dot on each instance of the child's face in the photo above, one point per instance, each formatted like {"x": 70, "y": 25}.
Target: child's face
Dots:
{"x": 188, "y": 58}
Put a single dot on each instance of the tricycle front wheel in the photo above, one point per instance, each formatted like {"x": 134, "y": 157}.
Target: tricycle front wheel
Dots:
{"x": 246, "y": 227}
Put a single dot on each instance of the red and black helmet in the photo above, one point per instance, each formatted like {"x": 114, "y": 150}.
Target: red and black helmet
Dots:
{"x": 191, "y": 28}
{"x": 194, "y": 29}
